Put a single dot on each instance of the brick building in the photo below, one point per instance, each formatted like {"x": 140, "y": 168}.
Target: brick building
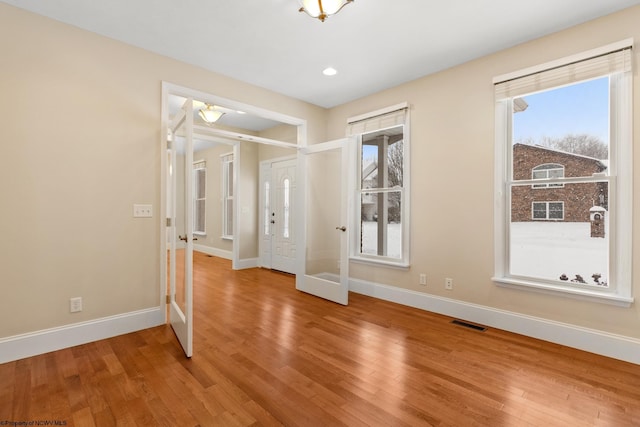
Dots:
{"x": 554, "y": 201}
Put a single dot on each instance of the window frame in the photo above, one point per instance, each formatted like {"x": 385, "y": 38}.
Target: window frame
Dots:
{"x": 619, "y": 177}
{"x": 405, "y": 205}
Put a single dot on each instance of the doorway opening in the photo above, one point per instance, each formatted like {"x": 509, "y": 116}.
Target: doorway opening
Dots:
{"x": 210, "y": 182}
{"x": 309, "y": 209}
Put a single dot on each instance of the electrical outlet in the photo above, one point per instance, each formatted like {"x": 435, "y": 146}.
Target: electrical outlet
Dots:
{"x": 448, "y": 284}
{"x": 75, "y": 304}
{"x": 423, "y": 279}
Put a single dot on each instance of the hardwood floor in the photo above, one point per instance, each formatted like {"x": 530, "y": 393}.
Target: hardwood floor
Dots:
{"x": 266, "y": 354}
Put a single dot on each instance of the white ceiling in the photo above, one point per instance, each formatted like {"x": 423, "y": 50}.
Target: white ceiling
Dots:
{"x": 374, "y": 44}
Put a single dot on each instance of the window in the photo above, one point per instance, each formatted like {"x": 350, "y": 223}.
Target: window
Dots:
{"x": 227, "y": 196}
{"x": 567, "y": 123}
{"x": 382, "y": 199}
{"x": 547, "y": 210}
{"x": 547, "y": 171}
{"x": 199, "y": 197}
{"x": 285, "y": 208}
{"x": 266, "y": 213}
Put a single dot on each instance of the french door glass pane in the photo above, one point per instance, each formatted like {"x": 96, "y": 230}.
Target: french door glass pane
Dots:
{"x": 324, "y": 215}
{"x": 181, "y": 228}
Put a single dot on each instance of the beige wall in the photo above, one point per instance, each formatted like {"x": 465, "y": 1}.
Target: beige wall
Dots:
{"x": 283, "y": 133}
{"x": 247, "y": 199}
{"x": 452, "y": 137}
{"x": 80, "y": 142}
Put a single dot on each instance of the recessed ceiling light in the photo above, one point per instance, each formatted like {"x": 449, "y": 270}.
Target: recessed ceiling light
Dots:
{"x": 329, "y": 71}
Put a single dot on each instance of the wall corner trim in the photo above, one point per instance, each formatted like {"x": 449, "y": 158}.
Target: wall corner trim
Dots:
{"x": 47, "y": 340}
{"x": 590, "y": 340}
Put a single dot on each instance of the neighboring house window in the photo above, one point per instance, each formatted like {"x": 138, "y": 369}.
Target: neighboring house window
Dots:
{"x": 227, "y": 196}
{"x": 547, "y": 210}
{"x": 381, "y": 213}
{"x": 199, "y": 197}
{"x": 548, "y": 171}
{"x": 547, "y": 235}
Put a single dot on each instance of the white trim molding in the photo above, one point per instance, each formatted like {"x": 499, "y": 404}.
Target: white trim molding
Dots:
{"x": 47, "y": 340}
{"x": 245, "y": 263}
{"x": 220, "y": 253}
{"x": 591, "y": 340}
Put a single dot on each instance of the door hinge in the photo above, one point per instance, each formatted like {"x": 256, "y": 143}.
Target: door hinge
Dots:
{"x": 168, "y": 299}
{"x": 169, "y": 144}
{"x": 169, "y": 222}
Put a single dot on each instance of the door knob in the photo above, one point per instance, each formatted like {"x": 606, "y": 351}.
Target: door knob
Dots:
{"x": 184, "y": 238}
{"x": 343, "y": 228}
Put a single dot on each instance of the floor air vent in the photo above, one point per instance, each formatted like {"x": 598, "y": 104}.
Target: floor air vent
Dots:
{"x": 469, "y": 325}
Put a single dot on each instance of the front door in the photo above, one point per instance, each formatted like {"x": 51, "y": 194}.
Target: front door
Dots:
{"x": 180, "y": 225}
{"x": 283, "y": 241}
{"x": 278, "y": 225}
{"x": 323, "y": 264}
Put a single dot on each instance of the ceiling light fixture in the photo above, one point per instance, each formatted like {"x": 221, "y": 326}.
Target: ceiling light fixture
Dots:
{"x": 322, "y": 9}
{"x": 329, "y": 71}
{"x": 209, "y": 114}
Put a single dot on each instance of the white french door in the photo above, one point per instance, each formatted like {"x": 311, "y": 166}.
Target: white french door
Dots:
{"x": 180, "y": 225}
{"x": 323, "y": 268}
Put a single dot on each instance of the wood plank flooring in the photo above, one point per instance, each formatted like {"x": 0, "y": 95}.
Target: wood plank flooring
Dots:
{"x": 266, "y": 354}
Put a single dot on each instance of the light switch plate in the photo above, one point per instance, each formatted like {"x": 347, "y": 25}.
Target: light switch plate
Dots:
{"x": 142, "y": 211}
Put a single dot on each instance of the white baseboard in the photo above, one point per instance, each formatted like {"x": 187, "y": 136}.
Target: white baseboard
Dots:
{"x": 47, "y": 340}
{"x": 220, "y": 253}
{"x": 246, "y": 263}
{"x": 591, "y": 340}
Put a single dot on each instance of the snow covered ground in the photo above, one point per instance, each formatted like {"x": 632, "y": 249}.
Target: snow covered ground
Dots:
{"x": 370, "y": 238}
{"x": 550, "y": 249}
{"x": 539, "y": 249}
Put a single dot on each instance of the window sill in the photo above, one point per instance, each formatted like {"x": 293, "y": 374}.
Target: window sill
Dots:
{"x": 379, "y": 262}
{"x": 577, "y": 293}
{"x": 197, "y": 233}
{"x": 227, "y": 238}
